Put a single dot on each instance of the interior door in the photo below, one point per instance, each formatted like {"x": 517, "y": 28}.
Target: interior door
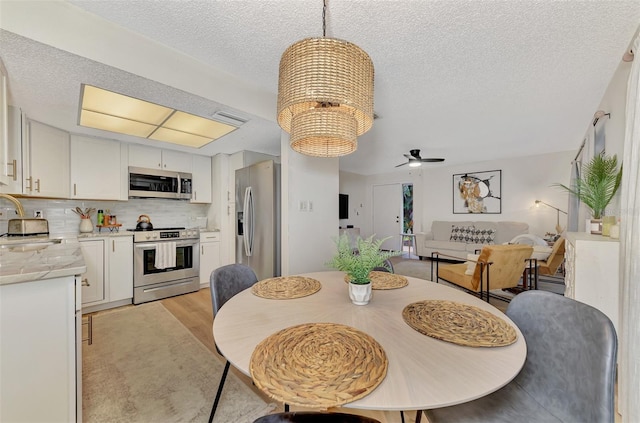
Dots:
{"x": 387, "y": 214}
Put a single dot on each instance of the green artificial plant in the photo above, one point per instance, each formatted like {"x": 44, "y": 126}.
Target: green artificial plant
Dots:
{"x": 360, "y": 261}
{"x": 598, "y": 182}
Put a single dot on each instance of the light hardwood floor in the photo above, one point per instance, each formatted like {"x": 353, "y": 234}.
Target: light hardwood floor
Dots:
{"x": 195, "y": 312}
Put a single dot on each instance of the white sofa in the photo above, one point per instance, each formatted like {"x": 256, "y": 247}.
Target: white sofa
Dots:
{"x": 458, "y": 239}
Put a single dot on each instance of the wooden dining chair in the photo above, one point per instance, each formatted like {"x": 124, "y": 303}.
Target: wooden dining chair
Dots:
{"x": 225, "y": 282}
{"x": 569, "y": 372}
{"x": 497, "y": 267}
{"x": 556, "y": 257}
{"x": 314, "y": 417}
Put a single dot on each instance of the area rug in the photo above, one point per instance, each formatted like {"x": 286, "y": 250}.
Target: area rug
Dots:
{"x": 145, "y": 366}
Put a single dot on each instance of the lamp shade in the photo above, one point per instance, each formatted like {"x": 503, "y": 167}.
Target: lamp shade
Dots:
{"x": 333, "y": 78}
{"x": 324, "y": 133}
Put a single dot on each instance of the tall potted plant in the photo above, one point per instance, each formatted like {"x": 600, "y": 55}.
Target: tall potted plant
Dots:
{"x": 598, "y": 183}
{"x": 358, "y": 263}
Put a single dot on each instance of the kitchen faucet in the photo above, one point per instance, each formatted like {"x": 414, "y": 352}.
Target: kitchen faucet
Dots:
{"x": 15, "y": 201}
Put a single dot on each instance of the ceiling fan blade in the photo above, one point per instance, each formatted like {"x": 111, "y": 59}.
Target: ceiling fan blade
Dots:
{"x": 408, "y": 156}
{"x": 432, "y": 160}
{"x": 402, "y": 164}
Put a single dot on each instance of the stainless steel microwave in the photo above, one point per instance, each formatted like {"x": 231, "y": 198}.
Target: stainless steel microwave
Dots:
{"x": 156, "y": 183}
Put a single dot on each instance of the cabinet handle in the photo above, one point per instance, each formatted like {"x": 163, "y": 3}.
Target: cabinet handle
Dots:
{"x": 29, "y": 186}
{"x": 113, "y": 246}
{"x": 85, "y": 282}
{"x": 202, "y": 249}
{"x": 38, "y": 185}
{"x": 14, "y": 164}
{"x": 74, "y": 190}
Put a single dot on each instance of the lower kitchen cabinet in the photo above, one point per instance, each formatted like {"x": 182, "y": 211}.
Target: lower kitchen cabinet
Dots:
{"x": 110, "y": 260}
{"x": 93, "y": 278}
{"x": 209, "y": 255}
{"x": 39, "y": 375}
{"x": 120, "y": 268}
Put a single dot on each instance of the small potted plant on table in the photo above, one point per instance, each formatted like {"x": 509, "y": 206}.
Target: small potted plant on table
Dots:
{"x": 598, "y": 182}
{"x": 358, "y": 263}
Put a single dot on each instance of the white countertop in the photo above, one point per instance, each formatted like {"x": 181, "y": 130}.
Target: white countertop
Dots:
{"x": 54, "y": 261}
{"x": 105, "y": 234}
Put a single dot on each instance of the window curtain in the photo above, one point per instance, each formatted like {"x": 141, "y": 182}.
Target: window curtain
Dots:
{"x": 629, "y": 336}
{"x": 573, "y": 208}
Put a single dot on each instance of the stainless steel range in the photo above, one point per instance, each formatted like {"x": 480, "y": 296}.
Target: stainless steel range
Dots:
{"x": 165, "y": 263}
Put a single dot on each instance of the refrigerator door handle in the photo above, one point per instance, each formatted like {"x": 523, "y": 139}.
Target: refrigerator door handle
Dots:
{"x": 247, "y": 212}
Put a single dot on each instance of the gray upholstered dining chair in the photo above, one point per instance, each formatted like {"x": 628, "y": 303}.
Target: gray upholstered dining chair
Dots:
{"x": 314, "y": 417}
{"x": 569, "y": 372}
{"x": 225, "y": 282}
{"x": 388, "y": 267}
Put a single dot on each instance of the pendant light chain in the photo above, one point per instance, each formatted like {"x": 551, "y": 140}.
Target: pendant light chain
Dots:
{"x": 324, "y": 18}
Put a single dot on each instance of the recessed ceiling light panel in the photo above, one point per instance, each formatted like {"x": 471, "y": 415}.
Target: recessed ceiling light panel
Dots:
{"x": 109, "y": 111}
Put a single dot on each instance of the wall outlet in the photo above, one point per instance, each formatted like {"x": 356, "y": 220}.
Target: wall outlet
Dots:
{"x": 38, "y": 214}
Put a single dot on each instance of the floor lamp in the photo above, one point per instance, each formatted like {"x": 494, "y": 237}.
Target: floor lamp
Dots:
{"x": 558, "y": 227}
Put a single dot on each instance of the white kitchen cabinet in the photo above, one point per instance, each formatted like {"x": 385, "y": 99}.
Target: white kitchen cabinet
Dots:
{"x": 209, "y": 255}
{"x": 95, "y": 168}
{"x": 156, "y": 158}
{"x": 45, "y": 161}
{"x": 592, "y": 270}
{"x": 115, "y": 253}
{"x": 12, "y": 163}
{"x": 38, "y": 369}
{"x": 5, "y": 177}
{"x": 93, "y": 278}
{"x": 120, "y": 268}
{"x": 201, "y": 182}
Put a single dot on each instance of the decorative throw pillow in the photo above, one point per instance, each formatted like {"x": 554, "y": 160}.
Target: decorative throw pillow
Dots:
{"x": 484, "y": 236}
{"x": 471, "y": 263}
{"x": 461, "y": 233}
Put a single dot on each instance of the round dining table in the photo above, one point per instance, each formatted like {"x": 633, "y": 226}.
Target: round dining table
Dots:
{"x": 423, "y": 372}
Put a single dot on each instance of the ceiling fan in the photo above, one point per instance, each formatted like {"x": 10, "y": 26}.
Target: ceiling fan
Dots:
{"x": 415, "y": 160}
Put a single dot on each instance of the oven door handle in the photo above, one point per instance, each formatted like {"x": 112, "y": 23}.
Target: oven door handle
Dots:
{"x": 178, "y": 244}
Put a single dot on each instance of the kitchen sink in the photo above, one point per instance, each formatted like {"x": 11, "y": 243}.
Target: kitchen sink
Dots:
{"x": 29, "y": 245}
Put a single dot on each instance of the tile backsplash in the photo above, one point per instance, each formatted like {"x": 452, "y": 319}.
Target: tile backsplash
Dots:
{"x": 63, "y": 222}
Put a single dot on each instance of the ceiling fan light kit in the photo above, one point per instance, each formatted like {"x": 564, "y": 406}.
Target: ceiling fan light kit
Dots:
{"x": 325, "y": 95}
{"x": 414, "y": 159}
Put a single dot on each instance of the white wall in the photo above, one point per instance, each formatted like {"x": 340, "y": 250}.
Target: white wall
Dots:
{"x": 307, "y": 236}
{"x": 524, "y": 180}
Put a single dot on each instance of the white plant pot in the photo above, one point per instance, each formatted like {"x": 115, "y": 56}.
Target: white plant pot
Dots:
{"x": 86, "y": 226}
{"x": 360, "y": 294}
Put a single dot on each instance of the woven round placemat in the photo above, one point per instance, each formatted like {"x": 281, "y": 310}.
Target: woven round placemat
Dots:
{"x": 318, "y": 365}
{"x": 384, "y": 280}
{"x": 459, "y": 323}
{"x": 286, "y": 287}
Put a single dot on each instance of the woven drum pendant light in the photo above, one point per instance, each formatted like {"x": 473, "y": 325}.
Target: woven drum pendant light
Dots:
{"x": 325, "y": 95}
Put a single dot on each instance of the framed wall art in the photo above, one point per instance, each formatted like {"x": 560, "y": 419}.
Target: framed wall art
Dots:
{"x": 477, "y": 192}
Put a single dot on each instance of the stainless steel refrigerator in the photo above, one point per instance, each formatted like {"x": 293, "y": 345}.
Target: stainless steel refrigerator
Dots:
{"x": 258, "y": 218}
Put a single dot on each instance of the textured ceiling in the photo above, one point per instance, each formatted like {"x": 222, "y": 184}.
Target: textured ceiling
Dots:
{"x": 464, "y": 80}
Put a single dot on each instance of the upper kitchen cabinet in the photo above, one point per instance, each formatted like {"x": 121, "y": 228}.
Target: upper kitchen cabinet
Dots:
{"x": 95, "y": 168}
{"x": 4, "y": 130}
{"x": 45, "y": 161}
{"x": 156, "y": 158}
{"x": 12, "y": 162}
{"x": 201, "y": 182}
